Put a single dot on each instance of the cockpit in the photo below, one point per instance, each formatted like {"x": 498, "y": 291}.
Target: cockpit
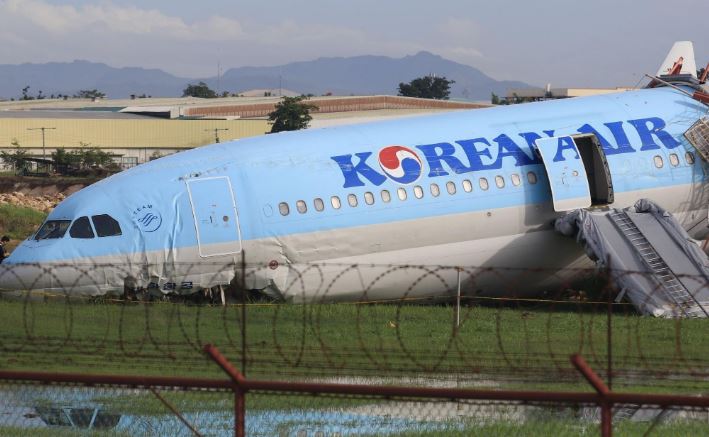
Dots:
{"x": 103, "y": 226}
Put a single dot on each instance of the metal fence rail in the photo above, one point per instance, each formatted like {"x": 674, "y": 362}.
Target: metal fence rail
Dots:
{"x": 117, "y": 405}
{"x": 457, "y": 366}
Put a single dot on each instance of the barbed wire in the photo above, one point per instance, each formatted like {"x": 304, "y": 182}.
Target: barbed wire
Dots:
{"x": 517, "y": 335}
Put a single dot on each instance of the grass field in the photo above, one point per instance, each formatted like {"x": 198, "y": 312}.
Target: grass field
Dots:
{"x": 495, "y": 347}
{"x": 18, "y": 222}
{"x": 503, "y": 346}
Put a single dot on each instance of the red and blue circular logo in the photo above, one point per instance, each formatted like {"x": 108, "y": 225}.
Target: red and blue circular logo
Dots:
{"x": 400, "y": 163}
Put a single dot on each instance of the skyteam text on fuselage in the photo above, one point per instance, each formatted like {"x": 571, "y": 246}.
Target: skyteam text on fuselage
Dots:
{"x": 326, "y": 213}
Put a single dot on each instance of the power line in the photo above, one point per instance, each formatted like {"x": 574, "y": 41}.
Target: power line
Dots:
{"x": 216, "y": 132}
{"x": 44, "y": 151}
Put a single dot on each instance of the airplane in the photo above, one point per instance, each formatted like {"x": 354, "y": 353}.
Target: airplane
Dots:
{"x": 364, "y": 211}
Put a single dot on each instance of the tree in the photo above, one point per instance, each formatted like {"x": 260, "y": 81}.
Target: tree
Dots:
{"x": 64, "y": 159}
{"x": 15, "y": 159}
{"x": 26, "y": 93}
{"x": 291, "y": 114}
{"x": 200, "y": 90}
{"x": 85, "y": 158}
{"x": 495, "y": 100}
{"x": 427, "y": 87}
{"x": 90, "y": 94}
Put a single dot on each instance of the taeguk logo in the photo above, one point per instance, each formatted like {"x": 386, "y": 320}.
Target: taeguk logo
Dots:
{"x": 400, "y": 163}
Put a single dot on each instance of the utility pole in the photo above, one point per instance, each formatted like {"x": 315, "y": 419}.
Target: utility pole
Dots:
{"x": 44, "y": 151}
{"x": 216, "y": 132}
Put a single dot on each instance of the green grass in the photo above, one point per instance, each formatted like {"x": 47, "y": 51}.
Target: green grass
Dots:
{"x": 58, "y": 432}
{"x": 503, "y": 347}
{"x": 566, "y": 428}
{"x": 494, "y": 347}
{"x": 502, "y": 429}
{"x": 18, "y": 222}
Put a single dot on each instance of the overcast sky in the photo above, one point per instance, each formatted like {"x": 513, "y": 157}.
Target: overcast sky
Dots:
{"x": 566, "y": 43}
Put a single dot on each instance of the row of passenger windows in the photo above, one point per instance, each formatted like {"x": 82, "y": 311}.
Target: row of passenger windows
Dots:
{"x": 401, "y": 193}
{"x": 418, "y": 191}
{"x": 104, "y": 224}
{"x": 674, "y": 159}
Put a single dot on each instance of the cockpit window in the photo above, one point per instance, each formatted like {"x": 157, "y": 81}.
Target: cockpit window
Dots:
{"x": 106, "y": 226}
{"x": 52, "y": 229}
{"x": 81, "y": 228}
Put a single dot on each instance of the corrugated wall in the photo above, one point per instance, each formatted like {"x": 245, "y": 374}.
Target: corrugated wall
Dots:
{"x": 326, "y": 105}
{"x": 125, "y": 134}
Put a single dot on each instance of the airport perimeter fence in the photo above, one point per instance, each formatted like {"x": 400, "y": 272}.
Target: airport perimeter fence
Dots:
{"x": 42, "y": 403}
{"x": 412, "y": 365}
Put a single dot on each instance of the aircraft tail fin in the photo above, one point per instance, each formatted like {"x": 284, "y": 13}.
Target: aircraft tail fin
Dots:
{"x": 680, "y": 57}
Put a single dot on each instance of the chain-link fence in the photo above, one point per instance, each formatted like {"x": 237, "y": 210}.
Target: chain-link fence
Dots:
{"x": 501, "y": 342}
{"x": 74, "y": 404}
{"x": 113, "y": 410}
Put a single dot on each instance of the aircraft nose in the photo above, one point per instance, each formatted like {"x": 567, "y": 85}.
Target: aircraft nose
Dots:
{"x": 19, "y": 277}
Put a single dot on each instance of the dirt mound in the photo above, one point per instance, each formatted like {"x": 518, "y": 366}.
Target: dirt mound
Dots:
{"x": 37, "y": 187}
{"x": 40, "y": 202}
{"x": 41, "y": 194}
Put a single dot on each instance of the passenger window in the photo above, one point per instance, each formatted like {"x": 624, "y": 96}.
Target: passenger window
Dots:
{"x": 106, "y": 226}
{"x": 674, "y": 159}
{"x": 418, "y": 192}
{"x": 483, "y": 184}
{"x": 689, "y": 157}
{"x": 335, "y": 201}
{"x": 435, "y": 191}
{"x": 467, "y": 186}
{"x": 386, "y": 196}
{"x": 401, "y": 192}
{"x": 515, "y": 179}
{"x": 659, "y": 163}
{"x": 81, "y": 228}
{"x": 532, "y": 177}
{"x": 500, "y": 181}
{"x": 352, "y": 200}
{"x": 283, "y": 208}
{"x": 52, "y": 229}
{"x": 319, "y": 204}
{"x": 368, "y": 198}
{"x": 301, "y": 206}
{"x": 450, "y": 187}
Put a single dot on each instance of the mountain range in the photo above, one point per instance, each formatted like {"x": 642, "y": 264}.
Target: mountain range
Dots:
{"x": 360, "y": 75}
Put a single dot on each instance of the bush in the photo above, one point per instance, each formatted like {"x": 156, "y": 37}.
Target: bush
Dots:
{"x": 18, "y": 222}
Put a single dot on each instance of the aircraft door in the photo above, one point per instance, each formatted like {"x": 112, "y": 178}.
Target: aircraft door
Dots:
{"x": 215, "y": 216}
{"x": 566, "y": 173}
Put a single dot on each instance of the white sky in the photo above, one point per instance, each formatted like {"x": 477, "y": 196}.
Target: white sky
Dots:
{"x": 564, "y": 42}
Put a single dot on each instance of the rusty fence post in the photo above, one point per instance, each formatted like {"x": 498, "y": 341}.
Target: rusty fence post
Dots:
{"x": 244, "y": 299}
{"x": 609, "y": 326}
{"x": 238, "y": 387}
{"x": 602, "y": 389}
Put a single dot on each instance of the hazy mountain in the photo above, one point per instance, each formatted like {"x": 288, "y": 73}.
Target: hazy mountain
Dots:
{"x": 366, "y": 75}
{"x": 340, "y": 76}
{"x": 70, "y": 77}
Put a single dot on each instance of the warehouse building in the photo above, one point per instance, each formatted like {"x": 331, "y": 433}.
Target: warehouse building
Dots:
{"x": 138, "y": 130}
{"x": 132, "y": 139}
{"x": 521, "y": 95}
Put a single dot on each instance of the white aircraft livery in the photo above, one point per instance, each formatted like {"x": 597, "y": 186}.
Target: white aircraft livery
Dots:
{"x": 471, "y": 188}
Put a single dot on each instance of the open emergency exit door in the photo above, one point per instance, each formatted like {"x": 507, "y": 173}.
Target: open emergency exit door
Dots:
{"x": 215, "y": 217}
{"x": 566, "y": 173}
